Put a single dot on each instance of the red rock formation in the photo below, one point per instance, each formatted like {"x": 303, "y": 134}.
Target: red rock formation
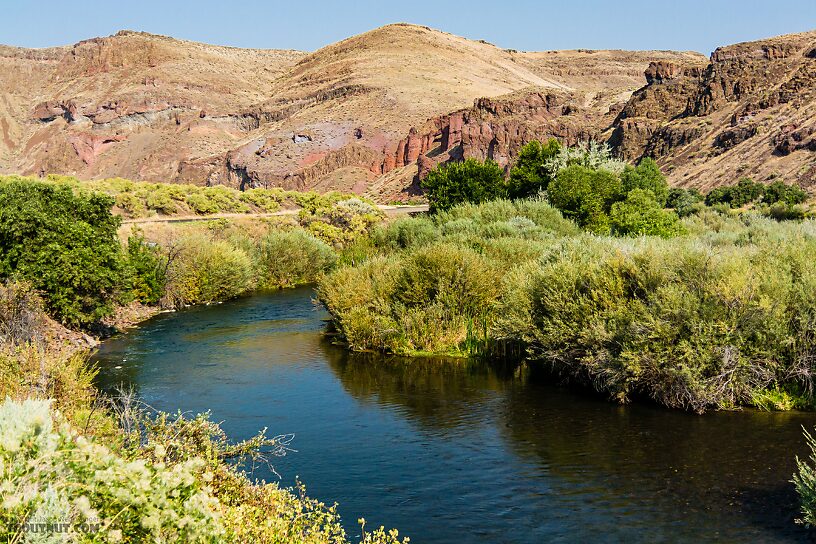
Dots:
{"x": 89, "y": 146}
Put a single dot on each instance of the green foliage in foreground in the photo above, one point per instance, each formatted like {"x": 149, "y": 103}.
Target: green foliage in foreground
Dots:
{"x": 530, "y": 175}
{"x": 716, "y": 318}
{"x": 469, "y": 181}
{"x": 641, "y": 214}
{"x": 805, "y": 481}
{"x": 64, "y": 244}
{"x": 171, "y": 484}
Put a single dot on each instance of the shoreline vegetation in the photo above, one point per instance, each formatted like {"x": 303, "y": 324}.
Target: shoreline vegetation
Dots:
{"x": 574, "y": 260}
{"x": 108, "y": 469}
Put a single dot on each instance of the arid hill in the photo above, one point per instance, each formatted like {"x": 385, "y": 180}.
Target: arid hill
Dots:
{"x": 751, "y": 111}
{"x": 373, "y": 112}
{"x": 347, "y": 116}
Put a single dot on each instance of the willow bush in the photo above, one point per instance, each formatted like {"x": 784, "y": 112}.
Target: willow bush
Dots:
{"x": 716, "y": 318}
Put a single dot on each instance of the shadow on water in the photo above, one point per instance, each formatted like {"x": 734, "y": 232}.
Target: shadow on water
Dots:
{"x": 451, "y": 450}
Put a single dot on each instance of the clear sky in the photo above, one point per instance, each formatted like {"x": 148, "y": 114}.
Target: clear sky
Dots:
{"x": 699, "y": 25}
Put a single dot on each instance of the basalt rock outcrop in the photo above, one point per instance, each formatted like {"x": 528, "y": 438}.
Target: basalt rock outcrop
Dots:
{"x": 750, "y": 111}
{"x": 363, "y": 114}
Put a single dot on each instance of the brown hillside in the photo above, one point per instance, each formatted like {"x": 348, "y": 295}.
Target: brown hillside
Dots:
{"x": 750, "y": 111}
{"x": 356, "y": 114}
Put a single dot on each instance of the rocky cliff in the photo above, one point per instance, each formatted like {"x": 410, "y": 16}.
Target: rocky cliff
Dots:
{"x": 356, "y": 115}
{"x": 373, "y": 113}
{"x": 749, "y": 111}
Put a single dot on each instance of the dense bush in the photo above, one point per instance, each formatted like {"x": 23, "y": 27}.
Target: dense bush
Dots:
{"x": 718, "y": 318}
{"x": 529, "y": 175}
{"x": 641, "y": 214}
{"x": 434, "y": 285}
{"x": 586, "y": 196}
{"x": 647, "y": 176}
{"x": 744, "y": 192}
{"x": 470, "y": 181}
{"x": 64, "y": 244}
{"x": 684, "y": 202}
{"x": 780, "y": 192}
{"x": 690, "y": 323}
{"x": 287, "y": 258}
{"x": 805, "y": 481}
{"x": 146, "y": 266}
{"x": 207, "y": 270}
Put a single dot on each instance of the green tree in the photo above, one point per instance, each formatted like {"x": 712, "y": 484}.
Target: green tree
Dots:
{"x": 470, "y": 181}
{"x": 647, "y": 176}
{"x": 586, "y": 196}
{"x": 64, "y": 244}
{"x": 147, "y": 270}
{"x": 529, "y": 175}
{"x": 684, "y": 201}
{"x": 779, "y": 191}
{"x": 642, "y": 214}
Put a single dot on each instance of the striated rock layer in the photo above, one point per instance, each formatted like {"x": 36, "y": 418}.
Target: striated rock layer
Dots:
{"x": 363, "y": 114}
{"x": 374, "y": 113}
{"x": 751, "y": 111}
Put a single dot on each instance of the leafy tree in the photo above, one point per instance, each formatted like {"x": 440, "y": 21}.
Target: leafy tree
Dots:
{"x": 642, "y": 214}
{"x": 147, "y": 270}
{"x": 64, "y": 244}
{"x": 470, "y": 181}
{"x": 529, "y": 176}
{"x": 684, "y": 201}
{"x": 586, "y": 196}
{"x": 745, "y": 192}
{"x": 779, "y": 191}
{"x": 719, "y": 195}
{"x": 647, "y": 176}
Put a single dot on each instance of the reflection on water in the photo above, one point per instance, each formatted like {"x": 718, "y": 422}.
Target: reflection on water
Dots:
{"x": 458, "y": 451}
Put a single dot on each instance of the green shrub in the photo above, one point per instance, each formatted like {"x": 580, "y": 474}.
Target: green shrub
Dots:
{"x": 805, "y": 481}
{"x": 780, "y": 192}
{"x": 641, "y": 214}
{"x": 161, "y": 201}
{"x": 459, "y": 278}
{"x": 287, "y": 258}
{"x": 687, "y": 323}
{"x": 685, "y": 202}
{"x": 405, "y": 233}
{"x": 207, "y": 270}
{"x": 146, "y": 268}
{"x": 744, "y": 192}
{"x": 786, "y": 212}
{"x": 586, "y": 196}
{"x": 201, "y": 204}
{"x": 529, "y": 175}
{"x": 647, "y": 176}
{"x": 64, "y": 244}
{"x": 468, "y": 181}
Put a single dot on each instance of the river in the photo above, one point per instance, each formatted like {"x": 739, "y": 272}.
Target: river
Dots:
{"x": 457, "y": 451}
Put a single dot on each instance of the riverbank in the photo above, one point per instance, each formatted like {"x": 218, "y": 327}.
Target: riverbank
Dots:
{"x": 79, "y": 459}
{"x": 437, "y": 447}
{"x": 713, "y": 319}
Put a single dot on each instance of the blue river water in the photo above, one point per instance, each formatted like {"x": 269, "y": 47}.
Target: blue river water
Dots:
{"x": 457, "y": 451}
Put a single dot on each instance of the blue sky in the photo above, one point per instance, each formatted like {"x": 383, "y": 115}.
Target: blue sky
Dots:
{"x": 308, "y": 25}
